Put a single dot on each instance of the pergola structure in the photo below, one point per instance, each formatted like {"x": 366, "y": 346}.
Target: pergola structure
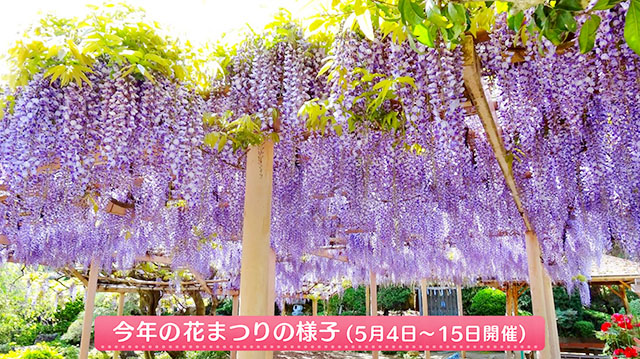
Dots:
{"x": 256, "y": 285}
{"x": 167, "y": 191}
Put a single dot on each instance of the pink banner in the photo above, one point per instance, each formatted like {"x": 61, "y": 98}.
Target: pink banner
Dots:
{"x": 319, "y": 333}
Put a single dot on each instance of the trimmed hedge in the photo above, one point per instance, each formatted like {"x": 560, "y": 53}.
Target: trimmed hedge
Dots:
{"x": 489, "y": 301}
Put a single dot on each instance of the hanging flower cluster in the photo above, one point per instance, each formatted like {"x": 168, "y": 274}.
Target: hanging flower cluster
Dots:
{"x": 570, "y": 123}
{"x": 380, "y": 162}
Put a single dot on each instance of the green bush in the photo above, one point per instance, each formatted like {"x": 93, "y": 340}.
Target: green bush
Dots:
{"x": 29, "y": 334}
{"x": 595, "y": 317}
{"x": 225, "y": 307}
{"x": 64, "y": 315}
{"x": 7, "y": 347}
{"x": 334, "y": 305}
{"x": 467, "y": 296}
{"x": 67, "y": 351}
{"x": 211, "y": 355}
{"x": 634, "y": 306}
{"x": 96, "y": 354}
{"x": 566, "y": 320}
{"x": 41, "y": 351}
{"x": 353, "y": 301}
{"x": 394, "y": 298}
{"x": 488, "y": 301}
{"x": 584, "y": 329}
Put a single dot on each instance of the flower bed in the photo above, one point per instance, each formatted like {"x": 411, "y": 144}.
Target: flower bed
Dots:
{"x": 621, "y": 336}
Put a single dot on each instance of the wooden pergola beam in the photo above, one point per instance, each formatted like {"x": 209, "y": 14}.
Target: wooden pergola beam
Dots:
{"x": 475, "y": 90}
{"x": 78, "y": 275}
{"x": 201, "y": 281}
{"x": 539, "y": 280}
{"x": 154, "y": 258}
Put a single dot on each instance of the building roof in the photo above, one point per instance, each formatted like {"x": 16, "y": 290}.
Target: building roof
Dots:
{"x": 614, "y": 269}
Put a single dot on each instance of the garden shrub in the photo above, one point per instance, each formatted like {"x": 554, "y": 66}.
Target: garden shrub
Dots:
{"x": 69, "y": 351}
{"x": 489, "y": 301}
{"x": 634, "y": 306}
{"x": 28, "y": 334}
{"x": 353, "y": 301}
{"x": 64, "y": 315}
{"x": 595, "y": 317}
{"x": 7, "y": 347}
{"x": 566, "y": 320}
{"x": 225, "y": 307}
{"x": 334, "y": 305}
{"x": 211, "y": 355}
{"x": 394, "y": 298}
{"x": 96, "y": 354}
{"x": 40, "y": 351}
{"x": 584, "y": 329}
{"x": 467, "y": 296}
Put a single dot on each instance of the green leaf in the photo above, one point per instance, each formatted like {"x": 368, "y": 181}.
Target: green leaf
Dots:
{"x": 435, "y": 16}
{"x": 587, "y": 37}
{"x": 315, "y": 25}
{"x": 425, "y": 35}
{"x": 540, "y": 15}
{"x": 605, "y": 4}
{"x": 408, "y": 12}
{"x": 515, "y": 21}
{"x": 364, "y": 21}
{"x": 407, "y": 80}
{"x": 571, "y": 5}
{"x": 566, "y": 21}
{"x": 632, "y": 26}
{"x": 457, "y": 13}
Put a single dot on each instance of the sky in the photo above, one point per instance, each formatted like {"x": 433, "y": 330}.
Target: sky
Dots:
{"x": 194, "y": 20}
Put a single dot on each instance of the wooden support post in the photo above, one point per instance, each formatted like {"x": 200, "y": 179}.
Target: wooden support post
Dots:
{"x": 552, "y": 327}
{"x": 536, "y": 286}
{"x": 622, "y": 294}
{"x": 314, "y": 307}
{"x": 463, "y": 354}
{"x": 425, "y": 307}
{"x": 234, "y": 312}
{"x": 367, "y": 301}
{"x": 374, "y": 300}
{"x": 510, "y": 354}
{"x": 473, "y": 83}
{"x": 256, "y": 251}
{"x": 271, "y": 289}
{"x": 89, "y": 302}
{"x": 116, "y": 354}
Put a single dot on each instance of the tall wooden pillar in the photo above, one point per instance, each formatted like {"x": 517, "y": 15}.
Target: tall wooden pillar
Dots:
{"x": 271, "y": 289}
{"x": 367, "y": 301}
{"x": 463, "y": 354}
{"x": 116, "y": 354}
{"x": 374, "y": 300}
{"x": 234, "y": 311}
{"x": 510, "y": 291}
{"x": 314, "y": 306}
{"x": 540, "y": 297}
{"x": 554, "y": 338}
{"x": 255, "y": 271}
{"x": 425, "y": 307}
{"x": 89, "y": 303}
